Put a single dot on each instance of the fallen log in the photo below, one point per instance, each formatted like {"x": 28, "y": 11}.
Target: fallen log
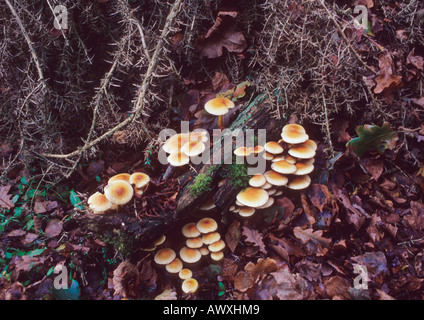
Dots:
{"x": 128, "y": 232}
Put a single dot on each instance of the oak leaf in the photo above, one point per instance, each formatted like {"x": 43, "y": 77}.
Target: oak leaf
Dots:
{"x": 253, "y": 236}
{"x": 5, "y": 198}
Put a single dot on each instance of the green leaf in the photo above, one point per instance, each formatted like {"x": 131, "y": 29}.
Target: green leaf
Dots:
{"x": 221, "y": 285}
{"x": 76, "y": 202}
{"x": 35, "y": 252}
{"x": 24, "y": 181}
{"x": 221, "y": 293}
{"x": 50, "y": 271}
{"x": 371, "y": 137}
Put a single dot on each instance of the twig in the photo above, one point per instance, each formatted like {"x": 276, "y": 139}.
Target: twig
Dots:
{"x": 141, "y": 95}
{"x": 339, "y": 29}
{"x": 327, "y": 126}
{"x": 29, "y": 42}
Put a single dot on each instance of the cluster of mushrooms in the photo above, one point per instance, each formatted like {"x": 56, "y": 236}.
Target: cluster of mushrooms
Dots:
{"x": 182, "y": 146}
{"x": 202, "y": 239}
{"x": 119, "y": 190}
{"x": 291, "y": 160}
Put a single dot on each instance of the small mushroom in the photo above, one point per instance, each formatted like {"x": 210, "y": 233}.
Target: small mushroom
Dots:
{"x": 242, "y": 152}
{"x": 294, "y": 133}
{"x": 194, "y": 243}
{"x": 257, "y": 181}
{"x": 217, "y": 246}
{"x": 273, "y": 147}
{"x": 217, "y": 256}
{"x": 219, "y": 107}
{"x": 193, "y": 148}
{"x": 119, "y": 192}
{"x": 165, "y": 256}
{"x": 190, "y": 230}
{"x": 185, "y": 273}
{"x": 304, "y": 168}
{"x": 299, "y": 182}
{"x": 178, "y": 159}
{"x": 207, "y": 225}
{"x": 302, "y": 152}
{"x": 98, "y": 203}
{"x": 252, "y": 197}
{"x": 211, "y": 237}
{"x": 190, "y": 285}
{"x": 275, "y": 178}
{"x": 190, "y": 255}
{"x": 120, "y": 176}
{"x": 283, "y": 167}
{"x": 246, "y": 212}
{"x": 175, "y": 266}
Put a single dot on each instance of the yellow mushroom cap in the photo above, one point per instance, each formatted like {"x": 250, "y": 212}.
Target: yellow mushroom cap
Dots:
{"x": 242, "y": 151}
{"x": 210, "y": 238}
{"x": 204, "y": 251}
{"x": 174, "y": 143}
{"x": 175, "y": 266}
{"x": 119, "y": 192}
{"x": 311, "y": 144}
{"x": 217, "y": 246}
{"x": 190, "y": 285}
{"x": 190, "y": 230}
{"x": 198, "y": 135}
{"x": 294, "y": 137}
{"x": 165, "y": 256}
{"x": 290, "y": 159}
{"x": 120, "y": 176}
{"x": 206, "y": 225}
{"x": 273, "y": 147}
{"x": 99, "y": 203}
{"x": 269, "y": 203}
{"x": 258, "y": 180}
{"x": 256, "y": 149}
{"x": 246, "y": 212}
{"x": 217, "y": 256}
{"x": 268, "y": 156}
{"x": 275, "y": 178}
{"x": 185, "y": 274}
{"x": 252, "y": 197}
{"x": 304, "y": 168}
{"x": 218, "y": 106}
{"x": 160, "y": 240}
{"x": 194, "y": 243}
{"x": 299, "y": 182}
{"x": 139, "y": 179}
{"x": 178, "y": 159}
{"x": 302, "y": 152}
{"x": 207, "y": 205}
{"x": 190, "y": 255}
{"x": 283, "y": 167}
{"x": 294, "y": 127}
{"x": 193, "y": 148}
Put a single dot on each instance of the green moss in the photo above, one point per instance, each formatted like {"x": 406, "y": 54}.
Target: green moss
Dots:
{"x": 237, "y": 173}
{"x": 202, "y": 183}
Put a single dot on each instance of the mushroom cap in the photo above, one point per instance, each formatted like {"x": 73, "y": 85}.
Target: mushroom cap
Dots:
{"x": 290, "y": 159}
{"x": 204, "y": 251}
{"x": 207, "y": 225}
{"x": 275, "y": 178}
{"x": 175, "y": 266}
{"x": 278, "y": 158}
{"x": 160, "y": 240}
{"x": 252, "y": 197}
{"x": 193, "y": 148}
{"x": 311, "y": 144}
{"x": 98, "y": 202}
{"x": 217, "y": 256}
{"x": 299, "y": 182}
{"x": 294, "y": 127}
{"x": 198, "y": 135}
{"x": 273, "y": 147}
{"x": 165, "y": 256}
{"x": 119, "y": 192}
{"x": 178, "y": 159}
{"x": 256, "y": 149}
{"x": 190, "y": 255}
{"x": 190, "y": 230}
{"x": 271, "y": 191}
{"x": 283, "y": 167}
{"x": 257, "y": 181}
{"x": 139, "y": 179}
{"x": 269, "y": 203}
{"x": 190, "y": 285}
{"x": 242, "y": 151}
{"x": 302, "y": 152}
{"x": 185, "y": 274}
{"x": 194, "y": 243}
{"x": 217, "y": 246}
{"x": 174, "y": 143}
{"x": 211, "y": 237}
{"x": 268, "y": 156}
{"x": 119, "y": 176}
{"x": 266, "y": 186}
{"x": 304, "y": 168}
{"x": 219, "y": 106}
{"x": 207, "y": 205}
{"x": 292, "y": 136}
{"x": 246, "y": 212}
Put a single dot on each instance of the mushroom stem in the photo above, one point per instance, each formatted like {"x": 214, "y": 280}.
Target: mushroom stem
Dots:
{"x": 221, "y": 122}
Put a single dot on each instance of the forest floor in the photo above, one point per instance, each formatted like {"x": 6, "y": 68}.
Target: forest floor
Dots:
{"x": 357, "y": 232}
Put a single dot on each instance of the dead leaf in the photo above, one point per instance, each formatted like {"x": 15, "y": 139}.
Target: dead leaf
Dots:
{"x": 168, "y": 294}
{"x": 253, "y": 236}
{"x": 44, "y": 206}
{"x": 244, "y": 280}
{"x": 416, "y": 61}
{"x": 233, "y": 235}
{"x": 373, "y": 229}
{"x": 415, "y": 219}
{"x": 5, "y": 198}
{"x": 387, "y": 79}
{"x": 319, "y": 195}
{"x": 310, "y": 235}
{"x": 419, "y": 101}
{"x": 336, "y": 286}
{"x": 373, "y": 166}
{"x": 125, "y": 280}
{"x": 374, "y": 262}
{"x": 288, "y": 286}
{"x": 54, "y": 228}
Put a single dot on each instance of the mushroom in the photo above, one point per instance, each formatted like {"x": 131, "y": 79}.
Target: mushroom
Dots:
{"x": 119, "y": 192}
{"x": 190, "y": 255}
{"x": 119, "y": 176}
{"x": 273, "y": 147}
{"x": 283, "y": 167}
{"x": 219, "y": 107}
{"x": 204, "y": 251}
{"x": 211, "y": 237}
{"x": 242, "y": 152}
{"x": 268, "y": 156}
{"x": 178, "y": 159}
{"x": 165, "y": 256}
{"x": 190, "y": 285}
{"x": 174, "y": 143}
{"x": 299, "y": 182}
{"x": 257, "y": 181}
{"x": 217, "y": 256}
{"x": 193, "y": 148}
{"x": 256, "y": 149}
{"x": 252, "y": 197}
{"x": 206, "y": 225}
{"x": 294, "y": 133}
{"x": 140, "y": 181}
{"x": 185, "y": 274}
{"x": 160, "y": 240}
{"x": 304, "y": 168}
{"x": 269, "y": 203}
{"x": 98, "y": 203}
{"x": 190, "y": 230}
{"x": 217, "y": 246}
{"x": 302, "y": 152}
{"x": 246, "y": 212}
{"x": 175, "y": 266}
{"x": 275, "y": 178}
{"x": 194, "y": 243}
